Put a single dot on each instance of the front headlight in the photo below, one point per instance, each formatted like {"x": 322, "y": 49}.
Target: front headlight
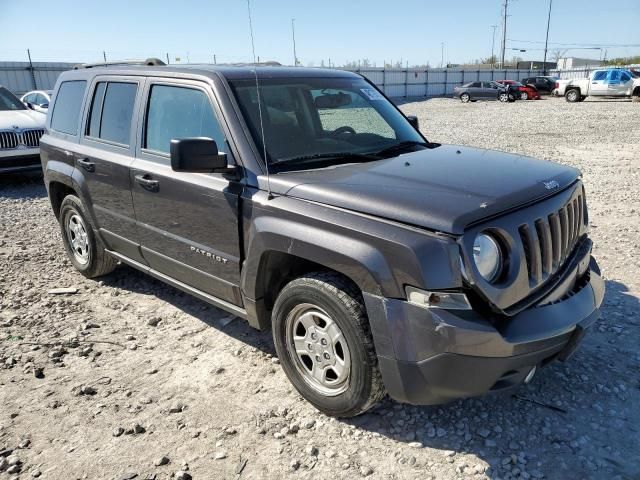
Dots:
{"x": 487, "y": 256}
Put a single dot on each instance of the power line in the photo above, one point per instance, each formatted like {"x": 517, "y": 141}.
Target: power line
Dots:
{"x": 603, "y": 45}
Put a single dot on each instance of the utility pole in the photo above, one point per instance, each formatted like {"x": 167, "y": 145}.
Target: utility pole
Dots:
{"x": 493, "y": 43}
{"x": 546, "y": 42}
{"x": 168, "y": 62}
{"x": 441, "y": 54}
{"x": 214, "y": 59}
{"x": 293, "y": 35}
{"x": 504, "y": 32}
{"x": 33, "y": 75}
{"x": 104, "y": 55}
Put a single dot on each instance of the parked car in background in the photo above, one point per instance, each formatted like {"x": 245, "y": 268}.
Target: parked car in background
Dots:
{"x": 543, "y": 83}
{"x": 612, "y": 82}
{"x": 20, "y": 132}
{"x": 474, "y": 91}
{"x": 38, "y": 100}
{"x": 527, "y": 92}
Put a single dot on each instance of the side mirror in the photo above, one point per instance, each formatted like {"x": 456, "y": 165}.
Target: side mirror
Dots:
{"x": 198, "y": 154}
{"x": 29, "y": 105}
{"x": 413, "y": 120}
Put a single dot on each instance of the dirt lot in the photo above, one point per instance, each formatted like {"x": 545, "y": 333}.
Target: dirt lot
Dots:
{"x": 129, "y": 378}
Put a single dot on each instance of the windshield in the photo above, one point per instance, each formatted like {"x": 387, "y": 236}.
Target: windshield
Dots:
{"x": 8, "y": 101}
{"x": 339, "y": 120}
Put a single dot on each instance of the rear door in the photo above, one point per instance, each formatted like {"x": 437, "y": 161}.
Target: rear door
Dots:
{"x": 619, "y": 83}
{"x": 187, "y": 222}
{"x": 475, "y": 90}
{"x": 104, "y": 156}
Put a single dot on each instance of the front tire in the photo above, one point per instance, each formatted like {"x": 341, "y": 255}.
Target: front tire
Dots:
{"x": 503, "y": 97}
{"x": 84, "y": 250}
{"x": 524, "y": 96}
{"x": 465, "y": 97}
{"x": 322, "y": 338}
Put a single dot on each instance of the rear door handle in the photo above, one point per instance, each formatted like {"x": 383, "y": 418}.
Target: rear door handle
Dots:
{"x": 86, "y": 164}
{"x": 147, "y": 182}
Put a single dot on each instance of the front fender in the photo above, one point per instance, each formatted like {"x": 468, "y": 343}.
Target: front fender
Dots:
{"x": 379, "y": 256}
{"x": 352, "y": 257}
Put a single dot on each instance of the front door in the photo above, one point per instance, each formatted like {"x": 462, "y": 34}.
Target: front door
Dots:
{"x": 104, "y": 156}
{"x": 187, "y": 222}
{"x": 599, "y": 83}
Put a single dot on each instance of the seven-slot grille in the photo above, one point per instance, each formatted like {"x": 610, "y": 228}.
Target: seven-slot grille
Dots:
{"x": 27, "y": 138}
{"x": 549, "y": 241}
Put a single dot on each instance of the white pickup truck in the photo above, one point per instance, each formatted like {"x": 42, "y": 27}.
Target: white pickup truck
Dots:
{"x": 612, "y": 82}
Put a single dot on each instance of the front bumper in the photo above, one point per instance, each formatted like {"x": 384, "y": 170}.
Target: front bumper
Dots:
{"x": 20, "y": 160}
{"x": 432, "y": 356}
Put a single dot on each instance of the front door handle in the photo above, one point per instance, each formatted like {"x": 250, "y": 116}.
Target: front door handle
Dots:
{"x": 147, "y": 182}
{"x": 86, "y": 164}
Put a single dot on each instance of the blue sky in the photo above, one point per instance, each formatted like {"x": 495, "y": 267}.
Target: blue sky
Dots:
{"x": 342, "y": 30}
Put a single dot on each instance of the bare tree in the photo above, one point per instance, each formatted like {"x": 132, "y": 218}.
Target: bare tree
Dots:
{"x": 558, "y": 53}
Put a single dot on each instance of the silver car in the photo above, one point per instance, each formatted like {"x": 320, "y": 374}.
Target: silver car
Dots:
{"x": 473, "y": 91}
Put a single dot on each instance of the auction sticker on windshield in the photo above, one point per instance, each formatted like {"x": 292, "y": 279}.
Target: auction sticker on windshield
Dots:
{"x": 372, "y": 93}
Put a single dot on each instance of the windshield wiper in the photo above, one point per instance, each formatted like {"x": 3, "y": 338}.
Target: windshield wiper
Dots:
{"x": 399, "y": 147}
{"x": 349, "y": 156}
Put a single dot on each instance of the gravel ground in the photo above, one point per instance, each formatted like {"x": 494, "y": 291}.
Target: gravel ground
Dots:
{"x": 129, "y": 378}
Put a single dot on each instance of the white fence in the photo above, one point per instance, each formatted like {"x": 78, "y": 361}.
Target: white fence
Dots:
{"x": 437, "y": 82}
{"x": 20, "y": 77}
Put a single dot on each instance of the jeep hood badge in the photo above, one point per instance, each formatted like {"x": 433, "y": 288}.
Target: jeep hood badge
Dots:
{"x": 551, "y": 184}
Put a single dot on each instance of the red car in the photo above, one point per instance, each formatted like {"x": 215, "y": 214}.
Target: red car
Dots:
{"x": 527, "y": 92}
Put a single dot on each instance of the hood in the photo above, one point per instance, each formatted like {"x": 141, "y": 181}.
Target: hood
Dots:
{"x": 21, "y": 119}
{"x": 444, "y": 188}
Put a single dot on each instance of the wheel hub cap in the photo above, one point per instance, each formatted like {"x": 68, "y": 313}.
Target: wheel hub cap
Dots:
{"x": 78, "y": 238}
{"x": 318, "y": 349}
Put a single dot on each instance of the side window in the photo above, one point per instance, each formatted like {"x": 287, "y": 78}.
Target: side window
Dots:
{"x": 625, "y": 77}
{"x": 117, "y": 110}
{"x": 600, "y": 75}
{"x": 179, "y": 112}
{"x": 615, "y": 76}
{"x": 93, "y": 129}
{"x": 66, "y": 113}
{"x": 475, "y": 85}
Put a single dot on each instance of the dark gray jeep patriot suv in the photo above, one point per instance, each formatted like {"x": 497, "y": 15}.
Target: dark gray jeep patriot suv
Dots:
{"x": 305, "y": 202}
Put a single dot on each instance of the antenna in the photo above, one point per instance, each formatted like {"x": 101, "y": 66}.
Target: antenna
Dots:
{"x": 255, "y": 71}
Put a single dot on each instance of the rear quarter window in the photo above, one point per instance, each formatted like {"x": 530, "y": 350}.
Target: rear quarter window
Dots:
{"x": 66, "y": 111}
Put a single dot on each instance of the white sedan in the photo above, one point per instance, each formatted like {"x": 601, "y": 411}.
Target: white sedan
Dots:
{"x": 20, "y": 132}
{"x": 38, "y": 100}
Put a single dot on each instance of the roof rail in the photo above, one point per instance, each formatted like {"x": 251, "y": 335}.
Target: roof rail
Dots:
{"x": 150, "y": 62}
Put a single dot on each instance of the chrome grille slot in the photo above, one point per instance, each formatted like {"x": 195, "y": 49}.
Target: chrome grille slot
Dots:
{"x": 31, "y": 138}
{"x": 8, "y": 140}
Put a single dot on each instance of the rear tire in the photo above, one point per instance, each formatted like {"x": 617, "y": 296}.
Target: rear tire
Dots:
{"x": 524, "y": 96}
{"x": 572, "y": 95}
{"x": 84, "y": 250}
{"x": 324, "y": 343}
{"x": 465, "y": 97}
